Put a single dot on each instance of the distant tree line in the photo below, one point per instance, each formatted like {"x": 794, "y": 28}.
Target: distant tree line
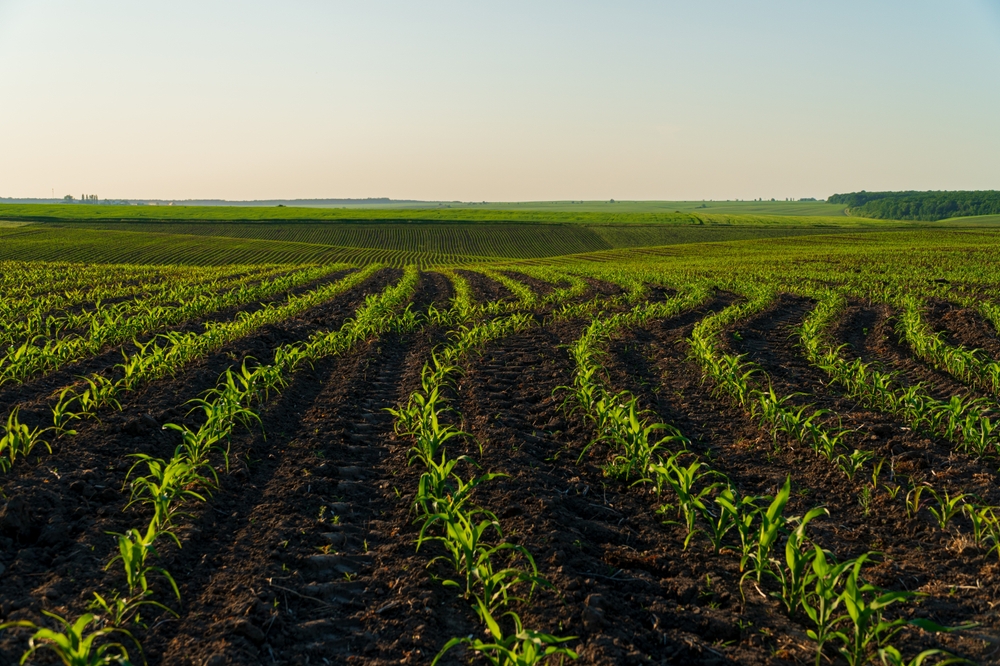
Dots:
{"x": 928, "y": 206}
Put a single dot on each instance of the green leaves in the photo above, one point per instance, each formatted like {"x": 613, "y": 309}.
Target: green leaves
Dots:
{"x": 73, "y": 645}
{"x": 18, "y": 440}
{"x": 690, "y": 488}
{"x": 522, "y": 647}
{"x": 962, "y": 420}
{"x": 488, "y": 571}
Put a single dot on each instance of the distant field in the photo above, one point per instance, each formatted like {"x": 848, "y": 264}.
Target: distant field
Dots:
{"x": 610, "y": 214}
{"x": 394, "y": 244}
{"x": 37, "y": 243}
{"x": 419, "y": 210}
{"x": 976, "y": 221}
{"x": 794, "y": 208}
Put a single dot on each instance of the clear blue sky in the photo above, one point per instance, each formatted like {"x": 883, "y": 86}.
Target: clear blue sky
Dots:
{"x": 497, "y": 101}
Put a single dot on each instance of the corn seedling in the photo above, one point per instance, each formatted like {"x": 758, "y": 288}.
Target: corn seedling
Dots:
{"x": 797, "y": 573}
{"x": 684, "y": 481}
{"x": 912, "y": 503}
{"x": 866, "y": 628}
{"x": 73, "y": 646}
{"x": 134, "y": 549}
{"x": 739, "y": 512}
{"x": 821, "y": 602}
{"x": 522, "y": 647}
{"x": 947, "y": 507}
{"x": 851, "y": 464}
{"x": 18, "y": 441}
{"x": 772, "y": 522}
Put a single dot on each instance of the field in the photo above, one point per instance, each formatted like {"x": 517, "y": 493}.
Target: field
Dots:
{"x": 512, "y": 444}
{"x": 541, "y": 212}
{"x": 393, "y": 244}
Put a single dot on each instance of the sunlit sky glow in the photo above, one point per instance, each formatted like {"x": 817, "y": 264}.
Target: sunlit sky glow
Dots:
{"x": 497, "y": 101}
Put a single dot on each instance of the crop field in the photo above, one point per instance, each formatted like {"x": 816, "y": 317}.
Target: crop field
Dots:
{"x": 759, "y": 451}
{"x": 391, "y": 244}
{"x": 544, "y": 213}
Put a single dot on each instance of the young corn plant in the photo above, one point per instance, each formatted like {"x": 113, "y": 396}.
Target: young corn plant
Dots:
{"x": 772, "y": 523}
{"x": 985, "y": 526}
{"x": 912, "y": 501}
{"x": 134, "y": 549}
{"x": 18, "y": 440}
{"x": 739, "y": 513}
{"x": 62, "y": 414}
{"x": 691, "y": 489}
{"x": 797, "y": 573}
{"x": 851, "y": 464}
{"x": 166, "y": 485}
{"x": 74, "y": 646}
{"x": 631, "y": 435}
{"x": 521, "y": 647}
{"x": 865, "y": 627}
{"x": 821, "y": 602}
{"x": 947, "y": 507}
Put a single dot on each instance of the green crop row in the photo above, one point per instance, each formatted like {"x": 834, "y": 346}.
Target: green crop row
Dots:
{"x": 189, "y": 475}
{"x": 118, "y": 324}
{"x": 970, "y": 366}
{"x": 960, "y": 420}
{"x": 164, "y": 355}
{"x": 44, "y": 323}
{"x": 489, "y": 571}
{"x": 843, "y": 608}
{"x": 734, "y": 376}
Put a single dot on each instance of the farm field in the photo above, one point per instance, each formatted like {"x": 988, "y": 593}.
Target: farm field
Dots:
{"x": 313, "y": 445}
{"x": 745, "y": 213}
{"x": 536, "y": 212}
{"x": 392, "y": 244}
{"x": 803, "y": 208}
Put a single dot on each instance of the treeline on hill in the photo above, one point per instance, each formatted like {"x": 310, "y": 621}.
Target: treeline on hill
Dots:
{"x": 928, "y": 206}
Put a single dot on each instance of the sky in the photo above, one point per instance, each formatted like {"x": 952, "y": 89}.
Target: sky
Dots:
{"x": 497, "y": 101}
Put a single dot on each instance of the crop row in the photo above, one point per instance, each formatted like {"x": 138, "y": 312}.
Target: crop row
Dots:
{"x": 42, "y": 322}
{"x": 960, "y": 420}
{"x": 734, "y": 376}
{"x": 119, "y": 323}
{"x": 488, "y": 570}
{"x": 841, "y": 608}
{"x": 970, "y": 366}
{"x": 189, "y": 475}
{"x": 45, "y": 243}
{"x": 164, "y": 355}
{"x": 27, "y": 306}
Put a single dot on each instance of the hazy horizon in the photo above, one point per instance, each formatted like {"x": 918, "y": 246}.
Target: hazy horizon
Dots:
{"x": 519, "y": 102}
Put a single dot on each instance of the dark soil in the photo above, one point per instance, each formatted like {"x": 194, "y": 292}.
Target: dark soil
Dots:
{"x": 305, "y": 555}
{"x": 604, "y": 288}
{"x": 540, "y": 287}
{"x": 58, "y": 511}
{"x": 485, "y": 290}
{"x": 964, "y": 327}
{"x": 37, "y": 392}
{"x": 869, "y": 330}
